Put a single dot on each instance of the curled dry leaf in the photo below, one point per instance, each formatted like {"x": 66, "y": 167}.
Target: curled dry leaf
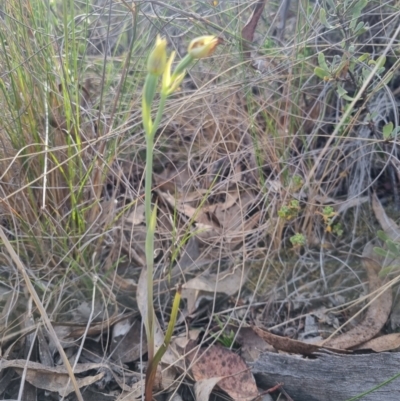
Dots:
{"x": 228, "y": 220}
{"x": 251, "y": 345}
{"x": 375, "y": 317}
{"x": 95, "y": 328}
{"x": 388, "y": 225}
{"x": 218, "y": 362}
{"x": 206, "y": 285}
{"x": 126, "y": 341}
{"x": 53, "y": 379}
{"x": 287, "y": 344}
{"x": 390, "y": 342}
{"x": 203, "y": 388}
{"x": 250, "y": 27}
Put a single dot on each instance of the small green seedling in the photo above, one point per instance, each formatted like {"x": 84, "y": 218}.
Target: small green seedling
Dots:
{"x": 298, "y": 240}
{"x": 288, "y": 212}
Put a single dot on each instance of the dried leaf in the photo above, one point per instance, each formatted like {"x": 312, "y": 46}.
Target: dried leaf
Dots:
{"x": 137, "y": 216}
{"x": 251, "y": 345}
{"x": 125, "y": 341}
{"x": 203, "y": 388}
{"x": 205, "y": 220}
{"x": 45, "y": 355}
{"x": 388, "y": 225}
{"x": 250, "y": 27}
{"x": 207, "y": 285}
{"x": 53, "y": 379}
{"x": 228, "y": 220}
{"x": 218, "y": 362}
{"x": 289, "y": 345}
{"x": 376, "y": 315}
{"x": 390, "y": 342}
{"x": 95, "y": 328}
{"x": 134, "y": 393}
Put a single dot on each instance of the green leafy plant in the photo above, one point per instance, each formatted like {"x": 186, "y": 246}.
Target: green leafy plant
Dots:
{"x": 328, "y": 214}
{"x": 225, "y": 338}
{"x": 298, "y": 240}
{"x": 288, "y": 212}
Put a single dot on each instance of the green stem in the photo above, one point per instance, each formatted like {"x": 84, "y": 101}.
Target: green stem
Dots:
{"x": 160, "y": 112}
{"x": 152, "y": 366}
{"x": 183, "y": 64}
{"x": 150, "y": 231}
{"x": 149, "y": 246}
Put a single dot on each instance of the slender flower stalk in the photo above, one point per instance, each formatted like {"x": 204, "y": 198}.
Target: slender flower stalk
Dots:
{"x": 157, "y": 65}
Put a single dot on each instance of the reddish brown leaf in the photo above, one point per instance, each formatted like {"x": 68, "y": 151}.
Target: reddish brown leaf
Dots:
{"x": 215, "y": 361}
{"x": 250, "y": 27}
{"x": 288, "y": 344}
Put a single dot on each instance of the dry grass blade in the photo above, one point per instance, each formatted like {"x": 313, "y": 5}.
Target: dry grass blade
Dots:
{"x": 43, "y": 313}
{"x": 263, "y": 167}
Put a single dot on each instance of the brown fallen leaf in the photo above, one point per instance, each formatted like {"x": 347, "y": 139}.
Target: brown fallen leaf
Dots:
{"x": 388, "y": 225}
{"x": 390, "y": 342}
{"x": 289, "y": 345}
{"x": 78, "y": 330}
{"x": 52, "y": 379}
{"x": 218, "y": 362}
{"x": 376, "y": 316}
{"x": 206, "y": 285}
{"x": 250, "y": 27}
{"x": 134, "y": 393}
{"x": 251, "y": 345}
{"x": 126, "y": 343}
{"x": 203, "y": 388}
{"x": 226, "y": 221}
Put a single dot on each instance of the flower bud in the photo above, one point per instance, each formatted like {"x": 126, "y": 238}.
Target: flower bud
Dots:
{"x": 158, "y": 57}
{"x": 203, "y": 46}
{"x": 171, "y": 83}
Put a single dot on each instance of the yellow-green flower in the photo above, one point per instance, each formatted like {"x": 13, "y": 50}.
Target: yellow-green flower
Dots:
{"x": 203, "y": 46}
{"x": 171, "y": 83}
{"x": 158, "y": 57}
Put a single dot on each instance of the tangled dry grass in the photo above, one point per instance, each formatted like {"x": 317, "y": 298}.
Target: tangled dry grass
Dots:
{"x": 261, "y": 166}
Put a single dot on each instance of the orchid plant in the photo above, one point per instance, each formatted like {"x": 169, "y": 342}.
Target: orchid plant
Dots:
{"x": 158, "y": 66}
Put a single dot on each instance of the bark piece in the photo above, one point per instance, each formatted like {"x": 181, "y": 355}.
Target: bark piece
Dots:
{"x": 331, "y": 377}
